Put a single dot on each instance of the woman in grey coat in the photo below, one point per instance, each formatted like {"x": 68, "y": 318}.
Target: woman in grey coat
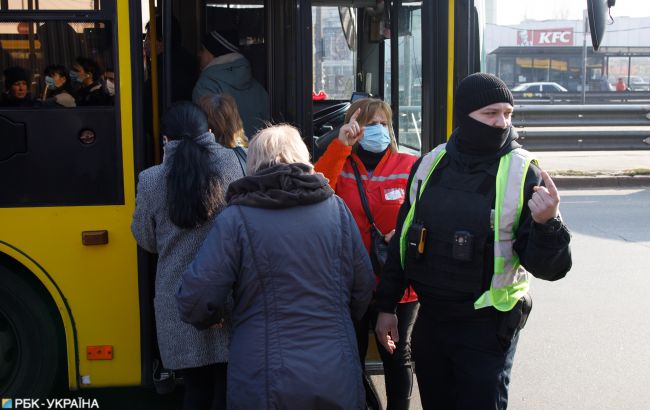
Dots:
{"x": 292, "y": 255}
{"x": 175, "y": 205}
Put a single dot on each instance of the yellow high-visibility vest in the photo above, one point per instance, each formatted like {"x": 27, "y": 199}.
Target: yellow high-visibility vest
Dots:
{"x": 510, "y": 281}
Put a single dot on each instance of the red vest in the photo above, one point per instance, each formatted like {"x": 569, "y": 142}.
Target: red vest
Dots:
{"x": 385, "y": 189}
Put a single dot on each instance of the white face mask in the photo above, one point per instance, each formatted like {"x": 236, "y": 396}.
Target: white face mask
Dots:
{"x": 110, "y": 87}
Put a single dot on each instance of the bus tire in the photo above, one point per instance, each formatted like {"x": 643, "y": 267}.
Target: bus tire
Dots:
{"x": 31, "y": 345}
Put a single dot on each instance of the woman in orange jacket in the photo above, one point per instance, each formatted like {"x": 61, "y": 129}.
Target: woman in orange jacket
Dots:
{"x": 368, "y": 140}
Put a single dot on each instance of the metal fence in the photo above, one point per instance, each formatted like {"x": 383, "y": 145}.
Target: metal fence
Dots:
{"x": 561, "y": 127}
{"x": 583, "y": 127}
{"x": 603, "y": 97}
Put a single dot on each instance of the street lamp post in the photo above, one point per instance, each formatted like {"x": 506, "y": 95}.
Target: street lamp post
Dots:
{"x": 584, "y": 57}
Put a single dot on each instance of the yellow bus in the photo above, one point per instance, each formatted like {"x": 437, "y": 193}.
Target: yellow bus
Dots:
{"x": 75, "y": 290}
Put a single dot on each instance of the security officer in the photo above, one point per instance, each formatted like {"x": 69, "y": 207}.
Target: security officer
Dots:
{"x": 478, "y": 218}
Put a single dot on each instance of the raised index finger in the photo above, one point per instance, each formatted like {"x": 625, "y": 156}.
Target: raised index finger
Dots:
{"x": 549, "y": 184}
{"x": 355, "y": 115}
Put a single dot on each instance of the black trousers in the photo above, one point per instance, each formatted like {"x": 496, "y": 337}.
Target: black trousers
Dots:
{"x": 462, "y": 365}
{"x": 398, "y": 369}
{"x": 205, "y": 387}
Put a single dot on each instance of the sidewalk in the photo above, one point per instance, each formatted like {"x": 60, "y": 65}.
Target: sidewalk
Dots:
{"x": 597, "y": 169}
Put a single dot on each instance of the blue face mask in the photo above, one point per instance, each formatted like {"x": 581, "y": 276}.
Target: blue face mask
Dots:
{"x": 74, "y": 76}
{"x": 375, "y": 138}
{"x": 49, "y": 81}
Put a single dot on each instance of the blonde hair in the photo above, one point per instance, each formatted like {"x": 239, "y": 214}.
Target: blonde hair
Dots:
{"x": 369, "y": 106}
{"x": 276, "y": 144}
{"x": 224, "y": 119}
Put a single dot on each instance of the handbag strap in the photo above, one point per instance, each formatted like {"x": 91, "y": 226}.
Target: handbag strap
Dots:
{"x": 362, "y": 194}
{"x": 241, "y": 156}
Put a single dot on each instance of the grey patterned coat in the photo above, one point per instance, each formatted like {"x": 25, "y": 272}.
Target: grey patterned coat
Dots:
{"x": 181, "y": 345}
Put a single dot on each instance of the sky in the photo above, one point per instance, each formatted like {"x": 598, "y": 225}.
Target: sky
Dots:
{"x": 514, "y": 11}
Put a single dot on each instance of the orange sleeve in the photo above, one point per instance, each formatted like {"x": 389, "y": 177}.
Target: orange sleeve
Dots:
{"x": 332, "y": 161}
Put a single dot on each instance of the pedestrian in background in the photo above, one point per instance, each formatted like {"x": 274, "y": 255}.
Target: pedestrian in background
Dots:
{"x": 479, "y": 216}
{"x": 290, "y": 252}
{"x": 17, "y": 88}
{"x": 175, "y": 205}
{"x": 366, "y": 145}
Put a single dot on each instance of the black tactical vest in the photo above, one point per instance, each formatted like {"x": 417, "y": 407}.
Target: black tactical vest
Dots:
{"x": 455, "y": 208}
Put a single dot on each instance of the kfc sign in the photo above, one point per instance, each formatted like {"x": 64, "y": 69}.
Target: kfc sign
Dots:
{"x": 546, "y": 37}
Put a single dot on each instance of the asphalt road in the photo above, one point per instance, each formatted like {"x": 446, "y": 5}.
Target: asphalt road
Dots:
{"x": 585, "y": 345}
{"x": 587, "y": 342}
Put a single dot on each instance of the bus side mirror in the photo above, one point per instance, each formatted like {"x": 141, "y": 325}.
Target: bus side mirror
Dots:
{"x": 598, "y": 13}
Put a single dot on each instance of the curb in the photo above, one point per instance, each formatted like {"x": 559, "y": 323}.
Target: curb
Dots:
{"x": 639, "y": 181}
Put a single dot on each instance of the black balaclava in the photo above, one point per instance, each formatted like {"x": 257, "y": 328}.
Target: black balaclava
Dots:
{"x": 477, "y": 91}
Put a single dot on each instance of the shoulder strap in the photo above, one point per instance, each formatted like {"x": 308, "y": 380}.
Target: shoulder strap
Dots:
{"x": 362, "y": 194}
{"x": 241, "y": 156}
{"x": 424, "y": 170}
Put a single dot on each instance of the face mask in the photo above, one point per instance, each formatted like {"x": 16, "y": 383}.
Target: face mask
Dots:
{"x": 477, "y": 138}
{"x": 375, "y": 138}
{"x": 49, "y": 81}
{"x": 110, "y": 87}
{"x": 74, "y": 76}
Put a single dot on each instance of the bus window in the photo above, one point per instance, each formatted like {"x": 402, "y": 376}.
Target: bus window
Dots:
{"x": 57, "y": 114}
{"x": 334, "y": 50}
{"x": 55, "y": 5}
{"x": 65, "y": 62}
{"x": 410, "y": 76}
{"x": 249, "y": 22}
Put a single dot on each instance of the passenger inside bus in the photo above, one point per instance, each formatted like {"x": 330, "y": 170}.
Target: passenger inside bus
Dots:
{"x": 225, "y": 70}
{"x": 109, "y": 82}
{"x": 183, "y": 63}
{"x": 17, "y": 81}
{"x": 91, "y": 92}
{"x": 57, "y": 90}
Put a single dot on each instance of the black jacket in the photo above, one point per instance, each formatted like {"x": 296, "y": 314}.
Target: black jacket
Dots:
{"x": 545, "y": 255}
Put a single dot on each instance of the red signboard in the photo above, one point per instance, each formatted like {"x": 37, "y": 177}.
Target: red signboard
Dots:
{"x": 545, "y": 37}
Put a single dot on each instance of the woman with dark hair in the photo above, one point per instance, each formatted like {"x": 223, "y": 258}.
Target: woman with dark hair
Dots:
{"x": 57, "y": 87}
{"x": 175, "y": 205}
{"x": 225, "y": 123}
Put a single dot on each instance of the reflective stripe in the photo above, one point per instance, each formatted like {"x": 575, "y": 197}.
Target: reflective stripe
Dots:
{"x": 351, "y": 175}
{"x": 425, "y": 169}
{"x": 375, "y": 178}
{"x": 510, "y": 177}
{"x": 510, "y": 280}
{"x": 389, "y": 177}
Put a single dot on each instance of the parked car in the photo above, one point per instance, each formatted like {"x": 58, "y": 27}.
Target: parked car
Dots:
{"x": 540, "y": 87}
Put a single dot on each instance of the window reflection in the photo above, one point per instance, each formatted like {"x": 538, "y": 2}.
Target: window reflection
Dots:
{"x": 56, "y": 64}
{"x": 54, "y": 5}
